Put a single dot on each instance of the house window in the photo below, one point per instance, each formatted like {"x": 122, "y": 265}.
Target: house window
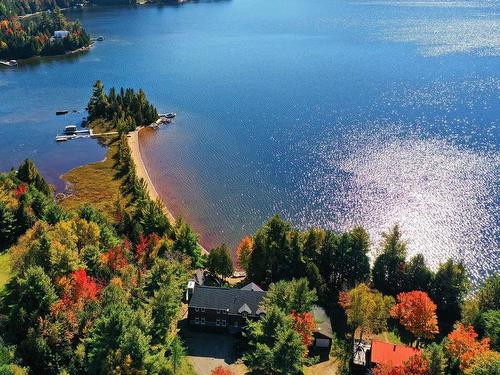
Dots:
{"x": 202, "y": 320}
{"x": 224, "y": 311}
{"x": 196, "y": 309}
{"x": 223, "y": 322}
{"x": 196, "y": 320}
{"x": 218, "y": 311}
{"x": 217, "y": 322}
{"x": 244, "y": 314}
{"x": 236, "y": 324}
{"x": 202, "y": 309}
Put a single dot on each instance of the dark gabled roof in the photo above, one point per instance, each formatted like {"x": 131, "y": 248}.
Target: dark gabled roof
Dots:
{"x": 232, "y": 300}
{"x": 252, "y": 286}
{"x": 322, "y": 320}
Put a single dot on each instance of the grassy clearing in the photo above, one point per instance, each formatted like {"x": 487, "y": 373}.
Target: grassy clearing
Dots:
{"x": 95, "y": 184}
{"x": 5, "y": 269}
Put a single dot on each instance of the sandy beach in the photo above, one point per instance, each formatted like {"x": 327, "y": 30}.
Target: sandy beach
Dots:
{"x": 141, "y": 171}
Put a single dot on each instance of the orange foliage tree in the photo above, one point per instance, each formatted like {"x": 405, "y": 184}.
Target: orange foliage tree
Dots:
{"x": 417, "y": 313}
{"x": 244, "y": 252}
{"x": 464, "y": 345}
{"x": 222, "y": 371}
{"x": 304, "y": 325}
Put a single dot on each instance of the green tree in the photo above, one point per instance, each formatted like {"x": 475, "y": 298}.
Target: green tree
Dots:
{"x": 178, "y": 354}
{"x": 417, "y": 275}
{"x": 219, "y": 262}
{"x": 366, "y": 309}
{"x": 289, "y": 296}
{"x": 276, "y": 348}
{"x": 29, "y": 174}
{"x": 388, "y": 269}
{"x": 32, "y": 298}
{"x": 187, "y": 243}
{"x": 7, "y": 226}
{"x": 448, "y": 289}
{"x": 436, "y": 359}
{"x": 8, "y": 363}
{"x": 98, "y": 102}
{"x": 344, "y": 261}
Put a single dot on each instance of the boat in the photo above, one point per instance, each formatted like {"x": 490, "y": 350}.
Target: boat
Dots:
{"x": 9, "y": 63}
{"x": 100, "y": 38}
{"x": 70, "y": 129}
{"x": 59, "y": 113}
{"x": 61, "y": 138}
{"x": 168, "y": 115}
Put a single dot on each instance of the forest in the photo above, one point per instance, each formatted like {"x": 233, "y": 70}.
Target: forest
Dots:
{"x": 22, "y": 38}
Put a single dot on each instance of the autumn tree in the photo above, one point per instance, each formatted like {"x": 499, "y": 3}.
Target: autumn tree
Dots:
{"x": 417, "y": 314}
{"x": 305, "y": 325}
{"x": 464, "y": 345}
{"x": 244, "y": 252}
{"x": 366, "y": 309}
{"x": 221, "y": 370}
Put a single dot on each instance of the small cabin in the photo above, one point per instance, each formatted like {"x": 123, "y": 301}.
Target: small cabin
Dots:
{"x": 61, "y": 34}
{"x": 323, "y": 334}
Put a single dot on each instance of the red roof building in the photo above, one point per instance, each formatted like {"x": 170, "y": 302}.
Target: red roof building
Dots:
{"x": 384, "y": 353}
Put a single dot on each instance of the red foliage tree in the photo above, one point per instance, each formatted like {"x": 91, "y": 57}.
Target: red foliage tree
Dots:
{"x": 84, "y": 287}
{"x": 304, "y": 324}
{"x": 21, "y": 189}
{"x": 464, "y": 345}
{"x": 417, "y": 313}
{"x": 115, "y": 258}
{"x": 244, "y": 252}
{"x": 222, "y": 371}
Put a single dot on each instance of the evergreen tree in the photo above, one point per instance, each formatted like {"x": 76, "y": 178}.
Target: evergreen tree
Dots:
{"x": 448, "y": 290}
{"x": 219, "y": 262}
{"x": 29, "y": 174}
{"x": 276, "y": 348}
{"x": 388, "y": 269}
{"x": 7, "y": 226}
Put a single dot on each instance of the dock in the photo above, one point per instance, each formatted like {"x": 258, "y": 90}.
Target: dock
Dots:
{"x": 85, "y": 133}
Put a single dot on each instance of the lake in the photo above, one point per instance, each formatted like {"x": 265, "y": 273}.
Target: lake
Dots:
{"x": 332, "y": 113}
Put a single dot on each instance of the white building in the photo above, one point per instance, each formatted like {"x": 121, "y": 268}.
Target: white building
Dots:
{"x": 61, "y": 34}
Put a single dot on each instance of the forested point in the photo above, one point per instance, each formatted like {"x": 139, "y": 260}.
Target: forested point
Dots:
{"x": 22, "y": 38}
{"x": 122, "y": 110}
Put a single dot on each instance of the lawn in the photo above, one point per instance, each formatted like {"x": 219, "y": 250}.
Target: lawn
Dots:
{"x": 5, "y": 269}
{"x": 94, "y": 183}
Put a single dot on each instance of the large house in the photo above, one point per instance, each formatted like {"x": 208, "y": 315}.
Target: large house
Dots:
{"x": 223, "y": 309}
{"x": 228, "y": 310}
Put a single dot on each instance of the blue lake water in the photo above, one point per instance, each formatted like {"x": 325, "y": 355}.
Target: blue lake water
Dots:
{"x": 333, "y": 113}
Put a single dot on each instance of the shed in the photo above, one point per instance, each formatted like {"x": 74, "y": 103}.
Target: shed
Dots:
{"x": 323, "y": 334}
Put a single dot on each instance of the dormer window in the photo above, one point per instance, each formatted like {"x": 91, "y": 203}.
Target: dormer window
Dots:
{"x": 244, "y": 314}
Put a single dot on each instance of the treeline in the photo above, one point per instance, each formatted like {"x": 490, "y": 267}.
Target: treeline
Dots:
{"x": 123, "y": 111}
{"x": 335, "y": 262}
{"x": 10, "y": 8}
{"x": 33, "y": 36}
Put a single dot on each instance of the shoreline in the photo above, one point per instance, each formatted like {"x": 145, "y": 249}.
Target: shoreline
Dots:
{"x": 142, "y": 172}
